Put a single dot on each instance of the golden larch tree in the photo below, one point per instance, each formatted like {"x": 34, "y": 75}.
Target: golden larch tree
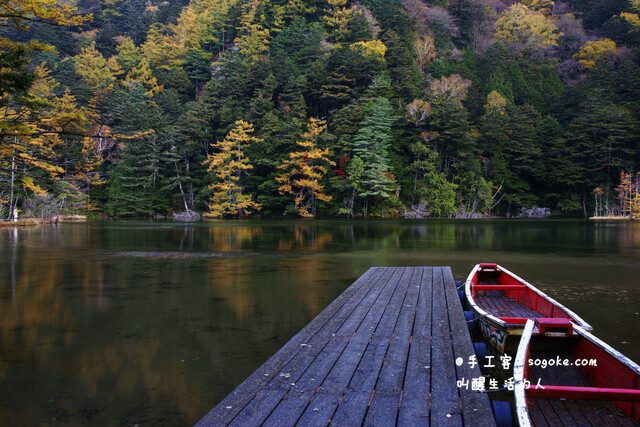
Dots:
{"x": 625, "y": 191}
{"x": 22, "y": 144}
{"x": 94, "y": 69}
{"x": 301, "y": 173}
{"x": 31, "y": 145}
{"x": 253, "y": 40}
{"x": 142, "y": 76}
{"x": 228, "y": 164}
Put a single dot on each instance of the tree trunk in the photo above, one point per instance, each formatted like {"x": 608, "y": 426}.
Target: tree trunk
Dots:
{"x": 352, "y": 202}
{"x": 313, "y": 205}
{"x": 13, "y": 176}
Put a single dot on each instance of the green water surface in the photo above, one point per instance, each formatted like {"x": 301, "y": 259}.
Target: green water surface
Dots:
{"x": 113, "y": 323}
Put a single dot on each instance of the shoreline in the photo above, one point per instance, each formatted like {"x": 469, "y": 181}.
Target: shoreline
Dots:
{"x": 30, "y": 222}
{"x": 610, "y": 218}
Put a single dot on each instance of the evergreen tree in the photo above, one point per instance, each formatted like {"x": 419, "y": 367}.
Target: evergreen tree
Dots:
{"x": 435, "y": 195}
{"x": 136, "y": 181}
{"x": 371, "y": 144}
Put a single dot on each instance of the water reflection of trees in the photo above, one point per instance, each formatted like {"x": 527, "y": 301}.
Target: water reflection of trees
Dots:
{"x": 224, "y": 238}
{"x": 78, "y": 318}
{"x": 140, "y": 333}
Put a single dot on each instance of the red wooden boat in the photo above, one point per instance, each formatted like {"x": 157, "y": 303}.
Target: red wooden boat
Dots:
{"x": 503, "y": 302}
{"x": 588, "y": 382}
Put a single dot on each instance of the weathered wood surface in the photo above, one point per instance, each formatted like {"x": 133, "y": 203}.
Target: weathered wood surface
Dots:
{"x": 501, "y": 305}
{"x": 382, "y": 353}
{"x": 569, "y": 412}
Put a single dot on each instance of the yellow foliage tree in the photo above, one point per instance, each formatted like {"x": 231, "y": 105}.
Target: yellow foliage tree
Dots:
{"x": 628, "y": 194}
{"x": 22, "y": 147}
{"x": 254, "y": 39}
{"x": 94, "y": 69}
{"x": 593, "y": 51}
{"x": 30, "y": 147}
{"x": 372, "y": 48}
{"x": 526, "y": 28}
{"x": 631, "y": 18}
{"x": 425, "y": 47}
{"x": 544, "y": 6}
{"x": 496, "y": 104}
{"x": 200, "y": 24}
{"x": 229, "y": 164}
{"x": 301, "y": 173}
{"x": 19, "y": 14}
{"x": 70, "y": 126}
{"x": 298, "y": 8}
{"x": 15, "y": 78}
{"x": 635, "y": 207}
{"x": 141, "y": 75}
{"x": 155, "y": 48}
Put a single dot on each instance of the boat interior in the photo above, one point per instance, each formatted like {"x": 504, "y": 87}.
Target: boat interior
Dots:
{"x": 515, "y": 301}
{"x": 545, "y": 411}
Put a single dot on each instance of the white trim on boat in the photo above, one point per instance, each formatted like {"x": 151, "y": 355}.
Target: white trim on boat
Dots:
{"x": 483, "y": 313}
{"x": 518, "y": 375}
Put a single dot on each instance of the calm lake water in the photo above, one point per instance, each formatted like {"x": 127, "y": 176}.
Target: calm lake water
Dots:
{"x": 113, "y": 323}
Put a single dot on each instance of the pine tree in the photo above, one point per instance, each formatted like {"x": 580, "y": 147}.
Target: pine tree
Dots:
{"x": 135, "y": 184}
{"x": 370, "y": 145}
{"x": 303, "y": 170}
{"x": 229, "y": 164}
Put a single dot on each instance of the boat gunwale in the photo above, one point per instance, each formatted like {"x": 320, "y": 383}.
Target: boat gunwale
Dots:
{"x": 497, "y": 321}
{"x": 519, "y": 389}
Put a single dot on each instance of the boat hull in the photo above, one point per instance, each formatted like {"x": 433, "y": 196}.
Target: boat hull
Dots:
{"x": 503, "y": 338}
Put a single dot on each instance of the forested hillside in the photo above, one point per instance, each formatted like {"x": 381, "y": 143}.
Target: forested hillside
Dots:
{"x": 319, "y": 108}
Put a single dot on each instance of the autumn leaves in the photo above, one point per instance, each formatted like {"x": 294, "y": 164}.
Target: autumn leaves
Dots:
{"x": 299, "y": 175}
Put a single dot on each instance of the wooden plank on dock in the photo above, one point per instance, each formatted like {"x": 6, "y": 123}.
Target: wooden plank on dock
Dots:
{"x": 417, "y": 381}
{"x": 382, "y": 353}
{"x": 474, "y": 402}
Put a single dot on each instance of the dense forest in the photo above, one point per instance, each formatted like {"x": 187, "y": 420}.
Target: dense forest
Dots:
{"x": 319, "y": 108}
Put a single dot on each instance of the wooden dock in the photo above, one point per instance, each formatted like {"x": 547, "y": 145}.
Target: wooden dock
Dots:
{"x": 382, "y": 353}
